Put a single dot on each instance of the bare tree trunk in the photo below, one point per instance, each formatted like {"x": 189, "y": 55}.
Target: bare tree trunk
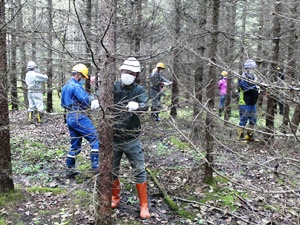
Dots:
{"x": 88, "y": 34}
{"x": 105, "y": 127}
{"x": 22, "y": 46}
{"x": 33, "y": 39}
{"x": 242, "y": 51}
{"x": 176, "y": 68}
{"x": 259, "y": 50}
{"x": 199, "y": 71}
{"x": 200, "y": 49}
{"x": 275, "y": 59}
{"x": 227, "y": 113}
{"x": 208, "y": 176}
{"x": 291, "y": 65}
{"x": 6, "y": 178}
{"x": 229, "y": 91}
{"x": 138, "y": 29}
{"x": 13, "y": 74}
{"x": 296, "y": 119}
{"x": 199, "y": 64}
{"x": 49, "y": 60}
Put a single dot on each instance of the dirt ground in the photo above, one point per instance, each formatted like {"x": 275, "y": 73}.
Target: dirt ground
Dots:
{"x": 255, "y": 183}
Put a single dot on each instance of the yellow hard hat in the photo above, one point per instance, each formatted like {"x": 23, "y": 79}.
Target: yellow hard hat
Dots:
{"x": 160, "y": 65}
{"x": 224, "y": 73}
{"x": 81, "y": 68}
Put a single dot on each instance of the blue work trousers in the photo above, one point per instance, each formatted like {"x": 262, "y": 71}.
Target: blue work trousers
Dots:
{"x": 222, "y": 101}
{"x": 80, "y": 126}
{"x": 155, "y": 96}
{"x": 247, "y": 113}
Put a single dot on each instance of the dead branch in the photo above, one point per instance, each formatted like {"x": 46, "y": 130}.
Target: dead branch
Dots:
{"x": 168, "y": 199}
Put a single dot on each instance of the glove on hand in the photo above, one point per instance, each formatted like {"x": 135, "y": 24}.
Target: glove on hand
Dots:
{"x": 167, "y": 83}
{"x": 264, "y": 84}
{"x": 95, "y": 104}
{"x": 132, "y": 106}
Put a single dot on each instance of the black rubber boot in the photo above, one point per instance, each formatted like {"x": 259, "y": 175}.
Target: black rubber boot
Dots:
{"x": 157, "y": 118}
{"x": 71, "y": 173}
{"x": 221, "y": 111}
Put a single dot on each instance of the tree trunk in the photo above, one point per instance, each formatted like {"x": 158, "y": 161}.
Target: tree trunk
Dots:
{"x": 199, "y": 71}
{"x": 88, "y": 27}
{"x": 49, "y": 60}
{"x": 22, "y": 45}
{"x": 296, "y": 119}
{"x": 289, "y": 71}
{"x": 200, "y": 49}
{"x": 275, "y": 59}
{"x": 105, "y": 127}
{"x": 6, "y": 178}
{"x": 243, "y": 42}
{"x": 209, "y": 130}
{"x": 230, "y": 59}
{"x": 176, "y": 68}
{"x": 138, "y": 27}
{"x": 259, "y": 52}
{"x": 13, "y": 74}
{"x": 106, "y": 137}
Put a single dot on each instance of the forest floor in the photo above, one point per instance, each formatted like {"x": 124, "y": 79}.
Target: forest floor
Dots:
{"x": 255, "y": 183}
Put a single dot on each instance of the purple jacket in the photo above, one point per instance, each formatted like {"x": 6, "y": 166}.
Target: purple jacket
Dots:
{"x": 222, "y": 84}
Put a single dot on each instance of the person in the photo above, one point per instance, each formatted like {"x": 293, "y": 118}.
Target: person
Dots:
{"x": 249, "y": 92}
{"x": 222, "y": 85}
{"x": 129, "y": 98}
{"x": 76, "y": 100}
{"x": 34, "y": 81}
{"x": 157, "y": 82}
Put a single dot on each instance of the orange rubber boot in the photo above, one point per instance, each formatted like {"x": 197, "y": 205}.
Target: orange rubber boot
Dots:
{"x": 142, "y": 193}
{"x": 115, "y": 192}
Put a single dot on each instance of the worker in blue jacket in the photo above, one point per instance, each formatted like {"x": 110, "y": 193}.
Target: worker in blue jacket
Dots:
{"x": 248, "y": 95}
{"x": 76, "y": 100}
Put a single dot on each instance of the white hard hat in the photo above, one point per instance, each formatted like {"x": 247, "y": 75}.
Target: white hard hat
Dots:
{"x": 131, "y": 64}
{"x": 249, "y": 64}
{"x": 31, "y": 65}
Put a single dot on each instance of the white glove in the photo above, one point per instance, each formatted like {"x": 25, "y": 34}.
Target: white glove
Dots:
{"x": 132, "y": 106}
{"x": 95, "y": 104}
{"x": 167, "y": 83}
{"x": 264, "y": 84}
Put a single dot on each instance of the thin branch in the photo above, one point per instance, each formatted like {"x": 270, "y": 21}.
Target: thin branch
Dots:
{"x": 85, "y": 37}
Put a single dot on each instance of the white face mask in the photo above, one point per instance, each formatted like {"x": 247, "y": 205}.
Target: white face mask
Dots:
{"x": 127, "y": 79}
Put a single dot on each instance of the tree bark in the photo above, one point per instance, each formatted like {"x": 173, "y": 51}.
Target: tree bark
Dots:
{"x": 22, "y": 46}
{"x": 6, "y": 178}
{"x": 230, "y": 59}
{"x": 243, "y": 42}
{"x": 200, "y": 49}
{"x": 105, "y": 128}
{"x": 271, "y": 103}
{"x": 138, "y": 29}
{"x": 208, "y": 176}
{"x": 13, "y": 74}
{"x": 49, "y": 60}
{"x": 291, "y": 65}
{"x": 296, "y": 119}
{"x": 88, "y": 34}
{"x": 176, "y": 61}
